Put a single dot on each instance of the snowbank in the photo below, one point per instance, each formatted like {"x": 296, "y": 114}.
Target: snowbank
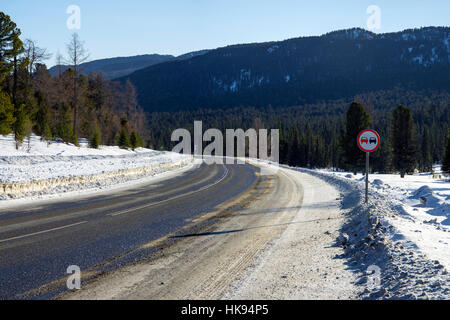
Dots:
{"x": 396, "y": 232}
{"x": 39, "y": 168}
{"x": 422, "y": 205}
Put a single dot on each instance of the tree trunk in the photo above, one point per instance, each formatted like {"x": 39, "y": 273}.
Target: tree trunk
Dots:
{"x": 14, "y": 90}
{"x": 75, "y": 107}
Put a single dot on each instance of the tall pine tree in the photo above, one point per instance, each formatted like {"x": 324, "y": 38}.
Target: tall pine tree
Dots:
{"x": 356, "y": 121}
{"x": 446, "y": 158}
{"x": 403, "y": 140}
{"x": 65, "y": 127}
{"x": 124, "y": 137}
{"x": 294, "y": 153}
{"x": 10, "y": 47}
{"x": 6, "y": 114}
{"x": 426, "y": 161}
{"x": 22, "y": 126}
{"x": 9, "y": 40}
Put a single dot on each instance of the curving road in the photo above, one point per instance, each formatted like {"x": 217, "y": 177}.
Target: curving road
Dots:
{"x": 103, "y": 232}
{"x": 275, "y": 241}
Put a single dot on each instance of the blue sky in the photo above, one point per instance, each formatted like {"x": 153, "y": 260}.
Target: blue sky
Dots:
{"x": 112, "y": 28}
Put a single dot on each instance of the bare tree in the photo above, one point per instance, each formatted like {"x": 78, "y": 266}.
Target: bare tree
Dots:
{"x": 59, "y": 63}
{"x": 76, "y": 56}
{"x": 131, "y": 103}
{"x": 35, "y": 55}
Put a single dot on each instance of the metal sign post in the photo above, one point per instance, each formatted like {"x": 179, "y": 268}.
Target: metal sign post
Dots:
{"x": 367, "y": 176}
{"x": 368, "y": 141}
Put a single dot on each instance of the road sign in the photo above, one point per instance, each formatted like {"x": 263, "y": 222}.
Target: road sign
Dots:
{"x": 368, "y": 140}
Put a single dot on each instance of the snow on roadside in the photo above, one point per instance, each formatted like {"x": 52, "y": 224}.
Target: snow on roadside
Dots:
{"x": 57, "y": 167}
{"x": 406, "y": 240}
{"x": 423, "y": 210}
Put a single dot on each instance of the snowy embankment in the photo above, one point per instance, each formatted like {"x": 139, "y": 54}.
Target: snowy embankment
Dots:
{"x": 422, "y": 205}
{"x": 403, "y": 232}
{"x": 40, "y": 169}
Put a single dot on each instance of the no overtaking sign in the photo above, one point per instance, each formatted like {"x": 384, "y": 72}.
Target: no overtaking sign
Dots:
{"x": 368, "y": 141}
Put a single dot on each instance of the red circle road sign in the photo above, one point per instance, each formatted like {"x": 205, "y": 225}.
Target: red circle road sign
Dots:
{"x": 368, "y": 140}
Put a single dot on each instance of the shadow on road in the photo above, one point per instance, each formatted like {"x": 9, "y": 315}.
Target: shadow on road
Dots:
{"x": 212, "y": 233}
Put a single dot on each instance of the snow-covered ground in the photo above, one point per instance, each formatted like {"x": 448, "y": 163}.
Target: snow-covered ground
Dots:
{"x": 73, "y": 168}
{"x": 404, "y": 230}
{"x": 423, "y": 206}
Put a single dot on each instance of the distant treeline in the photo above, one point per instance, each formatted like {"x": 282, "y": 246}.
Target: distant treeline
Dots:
{"x": 315, "y": 135}
{"x": 69, "y": 105}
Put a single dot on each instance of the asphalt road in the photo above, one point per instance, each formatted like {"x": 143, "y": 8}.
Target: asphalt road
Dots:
{"x": 104, "y": 232}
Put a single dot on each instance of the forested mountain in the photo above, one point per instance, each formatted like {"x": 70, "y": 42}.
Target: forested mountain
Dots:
{"x": 336, "y": 65}
{"x": 115, "y": 67}
{"x": 112, "y": 68}
{"x": 192, "y": 54}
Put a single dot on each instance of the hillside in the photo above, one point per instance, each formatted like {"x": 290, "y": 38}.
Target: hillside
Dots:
{"x": 303, "y": 70}
{"x": 117, "y": 67}
{"x": 112, "y": 68}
